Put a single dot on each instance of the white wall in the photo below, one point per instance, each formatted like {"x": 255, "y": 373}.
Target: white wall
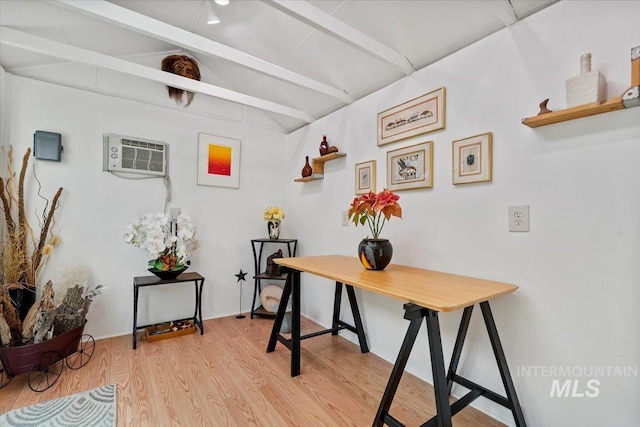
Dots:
{"x": 577, "y": 269}
{"x": 96, "y": 206}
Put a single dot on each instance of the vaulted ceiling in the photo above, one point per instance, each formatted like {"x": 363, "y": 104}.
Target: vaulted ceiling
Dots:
{"x": 274, "y": 63}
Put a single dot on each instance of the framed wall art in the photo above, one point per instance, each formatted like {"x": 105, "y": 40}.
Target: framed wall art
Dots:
{"x": 366, "y": 177}
{"x": 410, "y": 167}
{"x": 218, "y": 161}
{"x": 472, "y": 159}
{"x": 418, "y": 116}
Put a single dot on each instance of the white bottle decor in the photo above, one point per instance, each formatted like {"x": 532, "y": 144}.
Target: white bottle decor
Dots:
{"x": 588, "y": 87}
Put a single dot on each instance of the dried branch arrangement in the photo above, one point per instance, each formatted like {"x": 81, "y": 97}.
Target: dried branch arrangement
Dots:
{"x": 23, "y": 254}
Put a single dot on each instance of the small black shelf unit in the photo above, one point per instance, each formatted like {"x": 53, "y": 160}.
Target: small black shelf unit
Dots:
{"x": 257, "y": 245}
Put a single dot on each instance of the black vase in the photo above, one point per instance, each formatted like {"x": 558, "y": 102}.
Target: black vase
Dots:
{"x": 375, "y": 254}
{"x": 22, "y": 299}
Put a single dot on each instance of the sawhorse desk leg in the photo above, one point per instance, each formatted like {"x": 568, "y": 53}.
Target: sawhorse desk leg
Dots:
{"x": 292, "y": 290}
{"x": 338, "y": 324}
{"x": 442, "y": 384}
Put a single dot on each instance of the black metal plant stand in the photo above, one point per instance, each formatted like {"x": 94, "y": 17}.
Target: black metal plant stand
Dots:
{"x": 257, "y": 245}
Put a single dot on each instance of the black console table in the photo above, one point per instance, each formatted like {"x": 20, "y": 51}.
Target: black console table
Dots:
{"x": 258, "y": 245}
{"x": 142, "y": 281}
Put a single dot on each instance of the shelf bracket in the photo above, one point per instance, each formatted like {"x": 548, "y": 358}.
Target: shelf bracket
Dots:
{"x": 631, "y": 97}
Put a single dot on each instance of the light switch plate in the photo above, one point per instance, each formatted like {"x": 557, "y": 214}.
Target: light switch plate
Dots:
{"x": 345, "y": 218}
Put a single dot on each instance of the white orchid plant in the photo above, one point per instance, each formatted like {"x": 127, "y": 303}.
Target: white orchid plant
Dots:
{"x": 170, "y": 242}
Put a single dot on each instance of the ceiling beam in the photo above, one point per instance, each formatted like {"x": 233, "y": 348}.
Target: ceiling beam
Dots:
{"x": 47, "y": 47}
{"x": 160, "y": 30}
{"x": 508, "y": 16}
{"x": 311, "y": 15}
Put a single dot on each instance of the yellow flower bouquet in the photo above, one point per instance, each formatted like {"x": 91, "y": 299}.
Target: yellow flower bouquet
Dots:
{"x": 273, "y": 213}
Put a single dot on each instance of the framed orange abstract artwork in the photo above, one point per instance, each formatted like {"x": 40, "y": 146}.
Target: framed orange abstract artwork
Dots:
{"x": 218, "y": 161}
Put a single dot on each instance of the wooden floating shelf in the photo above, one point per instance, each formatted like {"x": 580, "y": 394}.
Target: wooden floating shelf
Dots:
{"x": 313, "y": 177}
{"x": 327, "y": 157}
{"x": 580, "y": 111}
{"x": 318, "y": 166}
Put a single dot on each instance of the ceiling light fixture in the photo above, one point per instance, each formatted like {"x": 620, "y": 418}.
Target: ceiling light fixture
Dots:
{"x": 222, "y": 2}
{"x": 212, "y": 18}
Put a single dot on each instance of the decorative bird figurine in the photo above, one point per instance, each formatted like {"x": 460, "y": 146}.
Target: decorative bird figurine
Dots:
{"x": 543, "y": 107}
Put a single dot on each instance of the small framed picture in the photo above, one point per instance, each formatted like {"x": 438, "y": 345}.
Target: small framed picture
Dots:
{"x": 366, "y": 177}
{"x": 218, "y": 161}
{"x": 472, "y": 159}
{"x": 410, "y": 167}
{"x": 417, "y": 116}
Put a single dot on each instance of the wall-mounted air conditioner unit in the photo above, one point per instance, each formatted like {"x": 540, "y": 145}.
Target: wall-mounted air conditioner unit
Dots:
{"x": 137, "y": 155}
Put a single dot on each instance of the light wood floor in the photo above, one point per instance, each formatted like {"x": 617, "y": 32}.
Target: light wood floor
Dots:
{"x": 226, "y": 378}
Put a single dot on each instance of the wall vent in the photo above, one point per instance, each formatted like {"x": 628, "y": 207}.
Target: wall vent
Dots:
{"x": 136, "y": 155}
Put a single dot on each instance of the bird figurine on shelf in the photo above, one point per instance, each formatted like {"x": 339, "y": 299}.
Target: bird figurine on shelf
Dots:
{"x": 543, "y": 107}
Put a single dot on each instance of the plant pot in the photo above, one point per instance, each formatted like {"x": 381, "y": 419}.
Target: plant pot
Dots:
{"x": 375, "y": 254}
{"x": 168, "y": 274}
{"x": 273, "y": 226}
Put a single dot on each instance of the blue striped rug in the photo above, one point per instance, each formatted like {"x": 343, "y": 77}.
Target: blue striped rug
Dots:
{"x": 95, "y": 408}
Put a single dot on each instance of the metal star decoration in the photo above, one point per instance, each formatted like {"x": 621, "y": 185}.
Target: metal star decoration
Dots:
{"x": 241, "y": 276}
{"x": 241, "y": 279}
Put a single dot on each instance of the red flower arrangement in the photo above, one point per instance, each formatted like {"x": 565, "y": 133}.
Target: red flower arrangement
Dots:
{"x": 375, "y": 209}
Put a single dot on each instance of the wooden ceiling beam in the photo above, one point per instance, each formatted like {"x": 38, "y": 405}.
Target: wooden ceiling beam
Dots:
{"x": 160, "y": 30}
{"x": 322, "y": 21}
{"x": 47, "y": 47}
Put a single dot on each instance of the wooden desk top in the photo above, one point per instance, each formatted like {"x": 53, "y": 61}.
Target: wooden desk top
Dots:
{"x": 430, "y": 289}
